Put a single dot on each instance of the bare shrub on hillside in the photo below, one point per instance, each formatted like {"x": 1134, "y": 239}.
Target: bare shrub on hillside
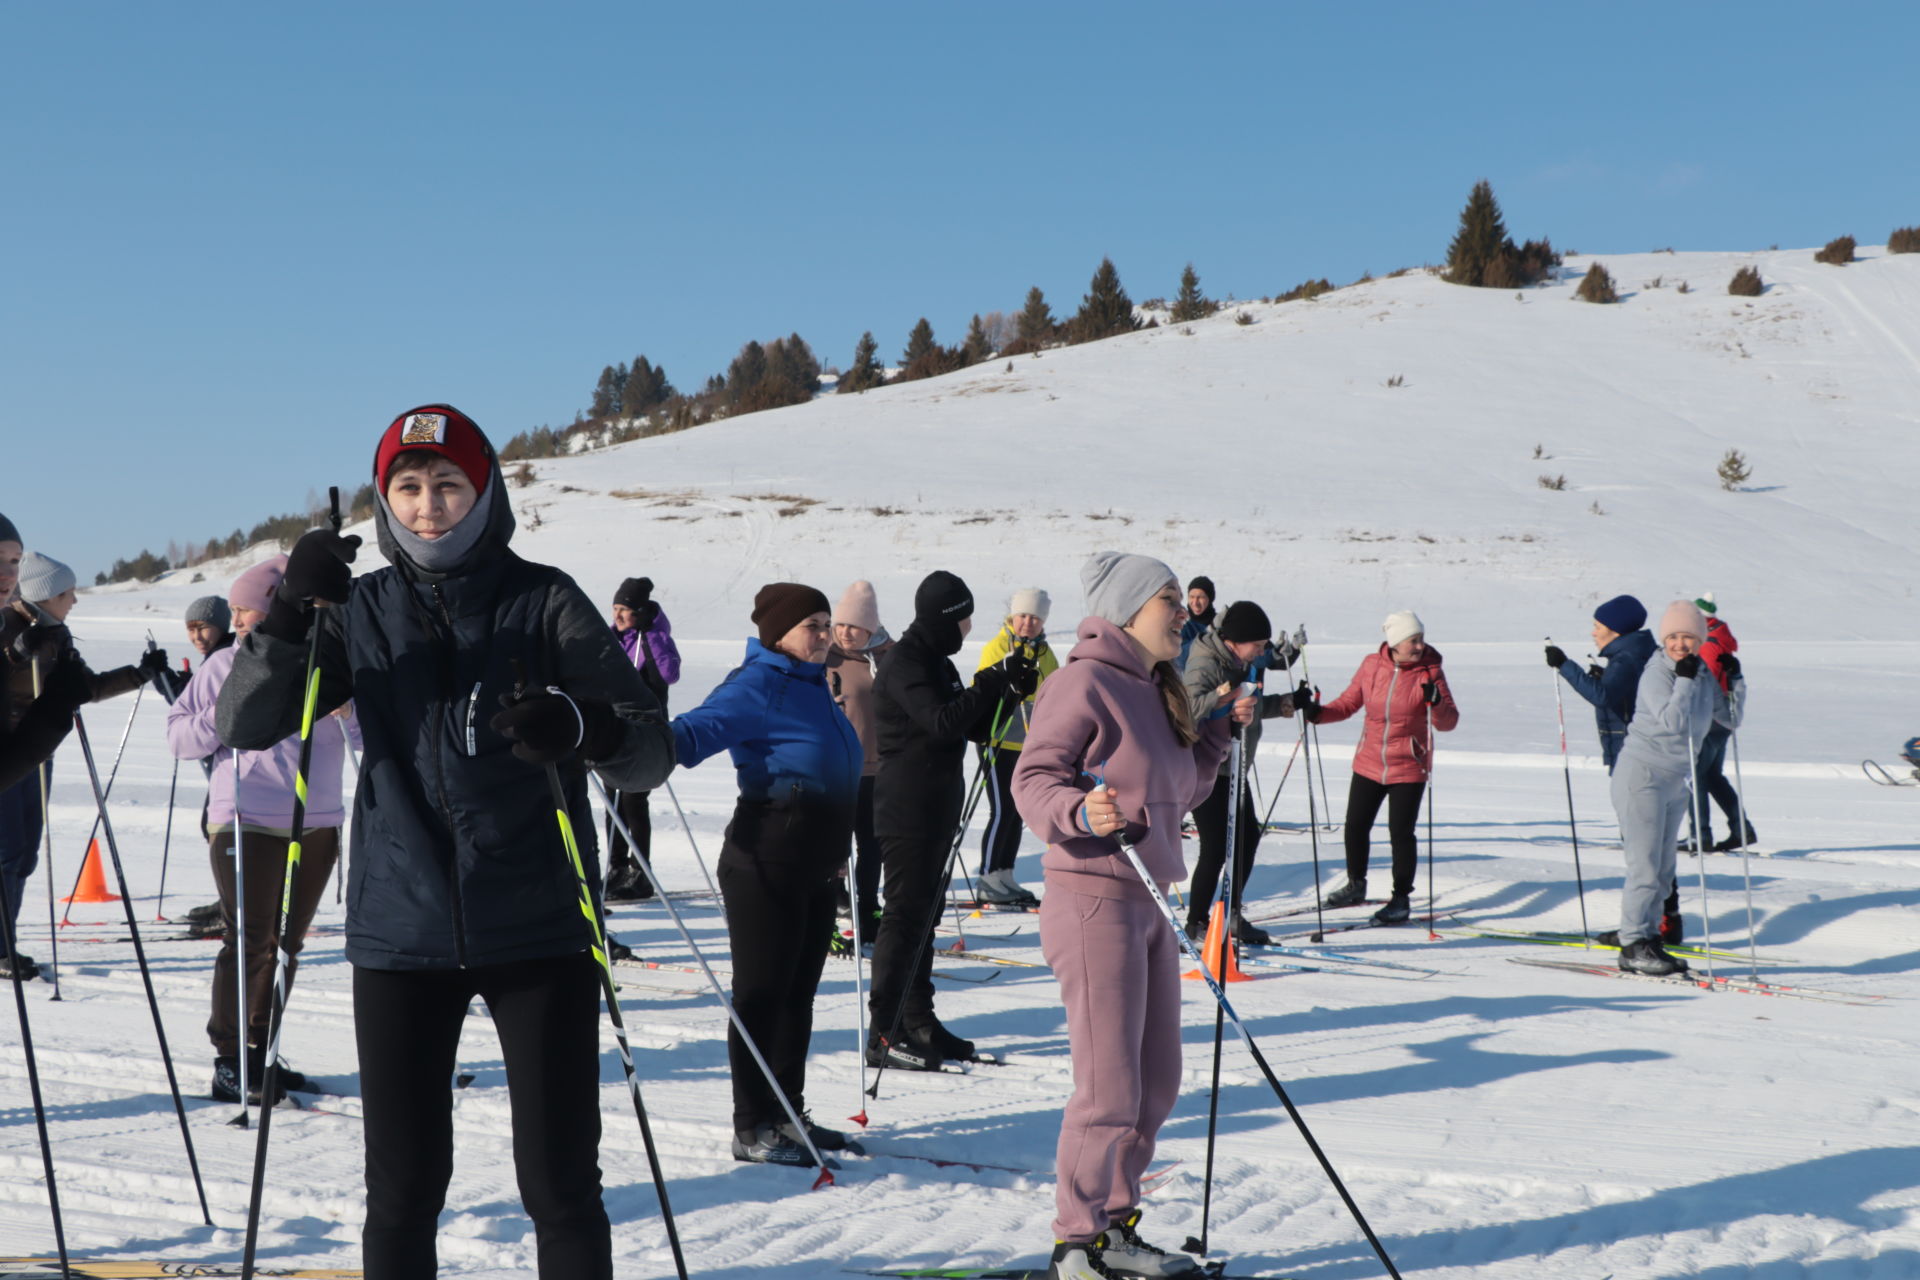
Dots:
{"x": 1306, "y": 290}
{"x": 1556, "y": 483}
{"x": 1243, "y": 317}
{"x": 1746, "y": 283}
{"x": 1597, "y": 286}
{"x": 522, "y": 475}
{"x": 1838, "y": 252}
{"x": 1539, "y": 452}
{"x": 1733, "y": 470}
{"x": 1904, "y": 240}
{"x": 1397, "y": 380}
{"x": 1683, "y": 287}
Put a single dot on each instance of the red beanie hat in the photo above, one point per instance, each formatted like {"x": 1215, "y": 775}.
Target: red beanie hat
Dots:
{"x": 441, "y": 429}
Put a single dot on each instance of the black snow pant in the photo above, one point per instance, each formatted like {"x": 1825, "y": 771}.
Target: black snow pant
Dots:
{"x": 1402, "y": 799}
{"x": 407, "y": 1024}
{"x": 1210, "y": 819}
{"x": 779, "y": 922}
{"x": 633, "y": 812}
{"x": 1001, "y": 843}
{"x": 903, "y": 951}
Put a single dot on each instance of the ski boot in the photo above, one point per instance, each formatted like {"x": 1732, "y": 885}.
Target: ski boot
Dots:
{"x": 769, "y": 1144}
{"x": 1648, "y": 957}
{"x": 1350, "y": 894}
{"x": 1080, "y": 1260}
{"x": 1126, "y": 1254}
{"x": 1397, "y": 911}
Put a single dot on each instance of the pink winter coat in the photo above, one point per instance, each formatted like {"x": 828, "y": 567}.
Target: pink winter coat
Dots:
{"x": 1393, "y": 744}
{"x": 1103, "y": 714}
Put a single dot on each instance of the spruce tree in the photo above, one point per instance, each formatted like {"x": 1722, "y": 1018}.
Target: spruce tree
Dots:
{"x": 919, "y": 343}
{"x": 866, "y": 372}
{"x": 1480, "y": 241}
{"x": 637, "y": 392}
{"x": 1036, "y": 320}
{"x": 606, "y": 394}
{"x": 1191, "y": 304}
{"x": 1105, "y": 309}
{"x": 745, "y": 373}
{"x": 975, "y": 348}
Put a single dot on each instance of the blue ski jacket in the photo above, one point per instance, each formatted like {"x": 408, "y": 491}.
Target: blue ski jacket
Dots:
{"x": 790, "y": 741}
{"x": 1613, "y": 691}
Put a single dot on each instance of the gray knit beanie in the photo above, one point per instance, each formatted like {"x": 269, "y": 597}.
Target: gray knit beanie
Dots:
{"x": 42, "y": 577}
{"x": 213, "y": 611}
{"x": 1115, "y": 585}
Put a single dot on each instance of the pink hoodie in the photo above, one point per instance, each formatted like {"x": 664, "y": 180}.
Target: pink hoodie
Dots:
{"x": 1102, "y": 714}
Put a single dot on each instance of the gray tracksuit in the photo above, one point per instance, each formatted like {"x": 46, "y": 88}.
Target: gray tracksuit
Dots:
{"x": 1671, "y": 715}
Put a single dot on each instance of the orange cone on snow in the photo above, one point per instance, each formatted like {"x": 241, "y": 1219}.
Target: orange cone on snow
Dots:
{"x": 1217, "y": 953}
{"x": 93, "y": 881}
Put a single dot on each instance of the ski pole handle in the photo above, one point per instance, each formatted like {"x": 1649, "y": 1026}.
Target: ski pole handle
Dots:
{"x": 333, "y": 506}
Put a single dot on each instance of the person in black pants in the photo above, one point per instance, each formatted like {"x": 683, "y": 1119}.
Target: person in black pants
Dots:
{"x": 461, "y": 884}
{"x": 646, "y": 637}
{"x": 926, "y": 717}
{"x": 798, "y": 760}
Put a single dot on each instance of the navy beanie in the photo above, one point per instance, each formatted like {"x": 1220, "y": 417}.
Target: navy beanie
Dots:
{"x": 1623, "y": 614}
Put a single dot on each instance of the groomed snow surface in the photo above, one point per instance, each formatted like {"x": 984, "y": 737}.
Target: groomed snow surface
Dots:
{"x": 1493, "y": 1119}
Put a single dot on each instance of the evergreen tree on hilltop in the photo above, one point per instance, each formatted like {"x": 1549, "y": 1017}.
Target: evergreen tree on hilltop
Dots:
{"x": 976, "y": 348}
{"x": 745, "y": 373}
{"x": 919, "y": 343}
{"x": 866, "y": 371}
{"x": 1481, "y": 241}
{"x": 1035, "y": 324}
{"x": 645, "y": 388}
{"x": 1106, "y": 309}
{"x": 606, "y": 392}
{"x": 1191, "y": 304}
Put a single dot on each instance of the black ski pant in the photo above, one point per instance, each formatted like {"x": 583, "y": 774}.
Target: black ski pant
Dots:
{"x": 1710, "y": 781}
{"x": 407, "y": 1024}
{"x": 1364, "y": 797}
{"x": 1210, "y": 820}
{"x": 903, "y": 952}
{"x": 866, "y": 854}
{"x": 20, "y": 834}
{"x": 780, "y": 918}
{"x": 633, "y": 811}
{"x": 266, "y": 874}
{"x": 1001, "y": 843}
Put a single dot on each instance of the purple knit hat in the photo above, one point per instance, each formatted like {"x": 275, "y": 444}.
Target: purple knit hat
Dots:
{"x": 254, "y": 589}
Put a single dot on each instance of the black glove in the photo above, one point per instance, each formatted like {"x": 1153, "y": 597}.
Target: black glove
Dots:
{"x": 548, "y": 727}
{"x": 1556, "y": 656}
{"x": 1431, "y": 692}
{"x": 1303, "y": 703}
{"x": 1023, "y": 675}
{"x": 646, "y": 615}
{"x": 1729, "y": 665}
{"x": 1688, "y": 667}
{"x": 68, "y": 687}
{"x": 153, "y": 663}
{"x": 317, "y": 567}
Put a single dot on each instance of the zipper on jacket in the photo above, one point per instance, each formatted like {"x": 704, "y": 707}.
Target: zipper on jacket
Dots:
{"x": 441, "y": 710}
{"x": 1386, "y": 720}
{"x": 473, "y": 704}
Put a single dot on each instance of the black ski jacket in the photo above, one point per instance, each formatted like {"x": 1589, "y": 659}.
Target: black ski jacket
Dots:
{"x": 457, "y": 857}
{"x": 924, "y": 716}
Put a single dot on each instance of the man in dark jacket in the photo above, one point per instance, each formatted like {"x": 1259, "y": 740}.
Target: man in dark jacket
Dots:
{"x": 460, "y": 883}
{"x": 925, "y": 716}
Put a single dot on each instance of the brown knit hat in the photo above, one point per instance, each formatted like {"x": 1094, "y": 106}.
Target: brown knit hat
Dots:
{"x": 779, "y": 607}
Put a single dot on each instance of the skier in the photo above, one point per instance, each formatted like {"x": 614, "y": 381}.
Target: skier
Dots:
{"x": 33, "y": 634}
{"x": 1200, "y": 598}
{"x": 1113, "y": 748}
{"x": 646, "y": 637}
{"x": 1620, "y": 634}
{"x": 925, "y": 718}
{"x": 259, "y": 816}
{"x": 1711, "y": 772}
{"x": 1230, "y": 653}
{"x": 1022, "y": 638}
{"x": 859, "y": 645}
{"x": 1404, "y": 691}
{"x": 460, "y": 883}
{"x": 1673, "y": 710}
{"x": 798, "y": 761}
{"x": 209, "y": 625}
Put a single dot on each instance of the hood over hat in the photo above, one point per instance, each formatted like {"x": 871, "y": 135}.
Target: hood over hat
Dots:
{"x": 489, "y": 526}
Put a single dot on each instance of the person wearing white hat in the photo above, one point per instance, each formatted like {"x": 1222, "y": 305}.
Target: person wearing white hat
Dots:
{"x": 1020, "y": 641}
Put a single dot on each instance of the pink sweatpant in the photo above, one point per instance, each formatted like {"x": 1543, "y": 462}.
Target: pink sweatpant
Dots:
{"x": 1119, "y": 971}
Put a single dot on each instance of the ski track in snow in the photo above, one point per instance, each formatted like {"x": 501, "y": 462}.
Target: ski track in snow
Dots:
{"x": 1492, "y": 1121}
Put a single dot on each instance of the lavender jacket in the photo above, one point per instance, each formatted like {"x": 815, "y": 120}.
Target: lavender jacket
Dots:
{"x": 266, "y": 777}
{"x": 660, "y": 645}
{"x": 1103, "y": 714}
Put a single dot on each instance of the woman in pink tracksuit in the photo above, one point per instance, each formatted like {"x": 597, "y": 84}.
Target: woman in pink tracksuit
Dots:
{"x": 1405, "y": 695}
{"x": 1112, "y": 747}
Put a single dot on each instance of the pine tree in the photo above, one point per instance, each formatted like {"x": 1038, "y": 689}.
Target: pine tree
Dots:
{"x": 1036, "y": 321}
{"x": 1481, "y": 240}
{"x": 1106, "y": 309}
{"x": 866, "y": 372}
{"x": 919, "y": 343}
{"x": 1191, "y": 304}
{"x": 636, "y": 393}
{"x": 606, "y": 393}
{"x": 745, "y": 373}
{"x": 975, "y": 348}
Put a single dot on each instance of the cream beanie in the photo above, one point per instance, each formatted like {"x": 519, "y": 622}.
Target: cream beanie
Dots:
{"x": 1402, "y": 626}
{"x": 1030, "y": 600}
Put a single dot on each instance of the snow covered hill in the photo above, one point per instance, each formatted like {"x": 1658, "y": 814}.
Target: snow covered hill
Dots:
{"x": 1493, "y": 1119}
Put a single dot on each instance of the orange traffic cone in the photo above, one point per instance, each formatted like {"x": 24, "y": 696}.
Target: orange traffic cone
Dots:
{"x": 1220, "y": 958}
{"x": 93, "y": 881}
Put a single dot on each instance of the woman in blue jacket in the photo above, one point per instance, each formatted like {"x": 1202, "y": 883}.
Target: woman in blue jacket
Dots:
{"x": 799, "y": 762}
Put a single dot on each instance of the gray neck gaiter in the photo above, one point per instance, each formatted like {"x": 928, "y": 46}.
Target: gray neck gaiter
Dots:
{"x": 448, "y": 552}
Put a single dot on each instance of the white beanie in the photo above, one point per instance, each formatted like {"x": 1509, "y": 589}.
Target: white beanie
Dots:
{"x": 42, "y": 577}
{"x": 1031, "y": 600}
{"x": 1402, "y": 626}
{"x": 1116, "y": 585}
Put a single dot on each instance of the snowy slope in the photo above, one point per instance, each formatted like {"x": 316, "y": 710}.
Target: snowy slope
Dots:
{"x": 1492, "y": 1120}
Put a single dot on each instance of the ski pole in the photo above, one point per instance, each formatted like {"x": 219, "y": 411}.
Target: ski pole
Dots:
{"x": 340, "y": 862}
{"x": 33, "y": 1076}
{"x": 1313, "y": 831}
{"x": 140, "y": 954}
{"x": 1431, "y": 935}
{"x": 1246, "y": 1037}
{"x": 859, "y": 996}
{"x": 1274, "y": 800}
{"x": 746, "y": 1037}
{"x": 1306, "y": 673}
{"x": 1573, "y": 829}
{"x": 1222, "y": 902}
{"x": 239, "y": 940}
{"x": 691, "y": 843}
{"x": 44, "y": 769}
{"x": 282, "y": 962}
{"x": 1695, "y": 799}
{"x": 166, "y": 845}
{"x": 118, "y": 755}
{"x": 1746, "y": 863}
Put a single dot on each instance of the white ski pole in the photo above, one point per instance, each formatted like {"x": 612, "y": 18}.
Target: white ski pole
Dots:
{"x": 1746, "y": 863}
{"x": 239, "y": 942}
{"x": 613, "y": 813}
{"x": 1694, "y": 801}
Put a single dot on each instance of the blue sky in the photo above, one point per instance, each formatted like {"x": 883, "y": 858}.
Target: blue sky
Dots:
{"x": 240, "y": 237}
